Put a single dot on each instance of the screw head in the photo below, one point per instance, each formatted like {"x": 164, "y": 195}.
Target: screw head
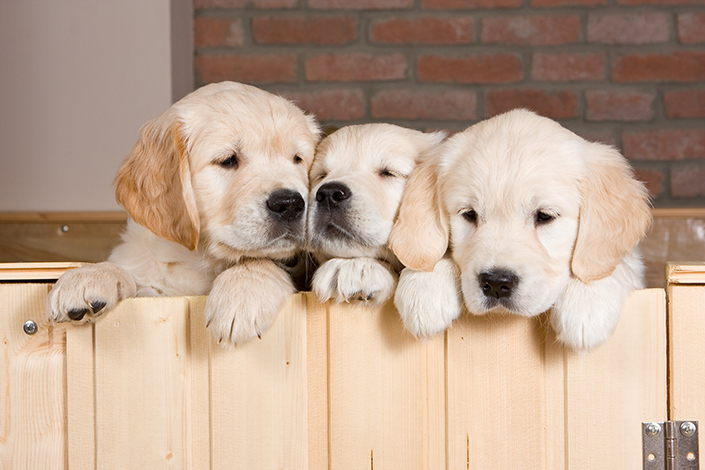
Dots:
{"x": 687, "y": 429}
{"x": 30, "y": 327}
{"x": 652, "y": 429}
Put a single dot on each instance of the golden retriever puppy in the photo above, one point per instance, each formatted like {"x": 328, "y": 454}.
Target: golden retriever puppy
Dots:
{"x": 216, "y": 190}
{"x": 357, "y": 180}
{"x": 538, "y": 219}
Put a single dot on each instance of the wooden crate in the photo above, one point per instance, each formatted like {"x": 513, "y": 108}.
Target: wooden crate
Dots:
{"x": 328, "y": 387}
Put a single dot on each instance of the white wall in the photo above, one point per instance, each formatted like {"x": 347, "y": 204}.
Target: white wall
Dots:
{"x": 77, "y": 80}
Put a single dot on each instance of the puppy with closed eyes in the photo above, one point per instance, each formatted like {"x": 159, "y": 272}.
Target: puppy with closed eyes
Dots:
{"x": 357, "y": 180}
{"x": 216, "y": 191}
{"x": 536, "y": 219}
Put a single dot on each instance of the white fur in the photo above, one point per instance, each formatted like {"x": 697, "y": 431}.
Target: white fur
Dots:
{"x": 197, "y": 223}
{"x": 346, "y": 279}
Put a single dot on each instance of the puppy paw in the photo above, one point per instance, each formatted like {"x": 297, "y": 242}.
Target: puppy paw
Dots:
{"x": 346, "y": 279}
{"x": 85, "y": 293}
{"x": 428, "y": 302}
{"x": 245, "y": 301}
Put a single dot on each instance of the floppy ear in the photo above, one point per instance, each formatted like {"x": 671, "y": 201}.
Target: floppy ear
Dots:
{"x": 420, "y": 234}
{"x": 614, "y": 216}
{"x": 154, "y": 182}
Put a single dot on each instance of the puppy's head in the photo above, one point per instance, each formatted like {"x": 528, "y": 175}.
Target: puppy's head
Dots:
{"x": 529, "y": 204}
{"x": 227, "y": 167}
{"x": 357, "y": 180}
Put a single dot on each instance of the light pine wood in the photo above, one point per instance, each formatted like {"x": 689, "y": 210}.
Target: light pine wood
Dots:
{"x": 34, "y": 271}
{"x": 317, "y": 370}
{"x": 386, "y": 411}
{"x": 32, "y": 382}
{"x": 259, "y": 398}
{"x": 141, "y": 372}
{"x": 80, "y": 397}
{"x": 198, "y": 433}
{"x": 686, "y": 319}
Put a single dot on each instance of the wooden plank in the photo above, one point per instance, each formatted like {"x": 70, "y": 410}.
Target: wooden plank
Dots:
{"x": 613, "y": 389}
{"x": 34, "y": 271}
{"x": 505, "y": 394}
{"x": 198, "y": 438}
{"x": 141, "y": 362}
{"x": 386, "y": 411}
{"x": 317, "y": 371}
{"x": 685, "y": 273}
{"x": 259, "y": 398}
{"x": 686, "y": 334}
{"x": 80, "y": 396}
{"x": 66, "y": 217}
{"x": 32, "y": 381}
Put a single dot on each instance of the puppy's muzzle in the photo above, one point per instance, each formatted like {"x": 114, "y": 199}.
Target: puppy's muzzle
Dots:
{"x": 498, "y": 283}
{"x": 332, "y": 195}
{"x": 286, "y": 205}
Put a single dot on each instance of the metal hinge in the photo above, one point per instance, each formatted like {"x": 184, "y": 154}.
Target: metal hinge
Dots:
{"x": 672, "y": 445}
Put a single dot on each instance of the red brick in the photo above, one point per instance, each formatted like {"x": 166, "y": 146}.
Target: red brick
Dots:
{"x": 208, "y": 32}
{"x": 679, "y": 66}
{"x": 273, "y": 68}
{"x": 360, "y": 4}
{"x": 469, "y": 4}
{"x": 619, "y": 106}
{"x": 691, "y": 28}
{"x": 660, "y": 3}
{"x": 531, "y": 30}
{"x": 356, "y": 67}
{"x": 672, "y": 144}
{"x": 413, "y": 104}
{"x": 567, "y": 3}
{"x": 427, "y": 30}
{"x": 488, "y": 68}
{"x": 329, "y": 105}
{"x": 688, "y": 182}
{"x": 653, "y": 179}
{"x": 685, "y": 103}
{"x": 556, "y": 105}
{"x": 202, "y": 4}
{"x": 302, "y": 30}
{"x": 628, "y": 28}
{"x": 563, "y": 67}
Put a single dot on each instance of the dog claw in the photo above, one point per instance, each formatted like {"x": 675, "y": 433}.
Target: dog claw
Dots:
{"x": 97, "y": 306}
{"x": 77, "y": 314}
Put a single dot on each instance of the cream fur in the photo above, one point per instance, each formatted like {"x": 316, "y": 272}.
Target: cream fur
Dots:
{"x": 373, "y": 161}
{"x": 194, "y": 218}
{"x": 507, "y": 173}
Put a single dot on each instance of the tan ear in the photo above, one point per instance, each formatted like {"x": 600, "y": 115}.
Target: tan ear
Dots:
{"x": 420, "y": 234}
{"x": 614, "y": 216}
{"x": 154, "y": 183}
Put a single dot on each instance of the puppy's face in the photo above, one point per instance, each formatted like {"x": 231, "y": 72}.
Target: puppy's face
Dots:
{"x": 235, "y": 161}
{"x": 357, "y": 180}
{"x": 512, "y": 192}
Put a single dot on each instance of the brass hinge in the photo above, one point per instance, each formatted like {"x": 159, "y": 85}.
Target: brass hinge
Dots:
{"x": 672, "y": 445}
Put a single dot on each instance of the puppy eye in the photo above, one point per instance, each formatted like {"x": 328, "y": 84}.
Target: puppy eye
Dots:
{"x": 230, "y": 163}
{"x": 543, "y": 218}
{"x": 387, "y": 173}
{"x": 298, "y": 159}
{"x": 320, "y": 176}
{"x": 470, "y": 216}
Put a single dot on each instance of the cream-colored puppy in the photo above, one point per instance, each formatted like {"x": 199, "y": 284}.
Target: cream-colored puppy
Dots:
{"x": 216, "y": 191}
{"x": 357, "y": 180}
{"x": 538, "y": 219}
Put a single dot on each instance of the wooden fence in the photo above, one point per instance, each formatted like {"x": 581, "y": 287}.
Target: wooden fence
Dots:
{"x": 340, "y": 387}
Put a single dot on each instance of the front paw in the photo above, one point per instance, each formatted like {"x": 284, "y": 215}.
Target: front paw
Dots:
{"x": 428, "y": 302}
{"x": 346, "y": 279}
{"x": 85, "y": 293}
{"x": 245, "y": 301}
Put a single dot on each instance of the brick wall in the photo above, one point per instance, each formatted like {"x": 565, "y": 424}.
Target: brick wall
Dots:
{"x": 627, "y": 72}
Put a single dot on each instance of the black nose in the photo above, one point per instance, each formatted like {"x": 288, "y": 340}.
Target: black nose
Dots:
{"x": 332, "y": 194}
{"x": 287, "y": 204}
{"x": 498, "y": 283}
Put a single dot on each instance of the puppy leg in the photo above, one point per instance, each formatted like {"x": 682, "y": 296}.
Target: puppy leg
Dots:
{"x": 345, "y": 279}
{"x": 246, "y": 299}
{"x": 585, "y": 315}
{"x": 87, "y": 292}
{"x": 428, "y": 302}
